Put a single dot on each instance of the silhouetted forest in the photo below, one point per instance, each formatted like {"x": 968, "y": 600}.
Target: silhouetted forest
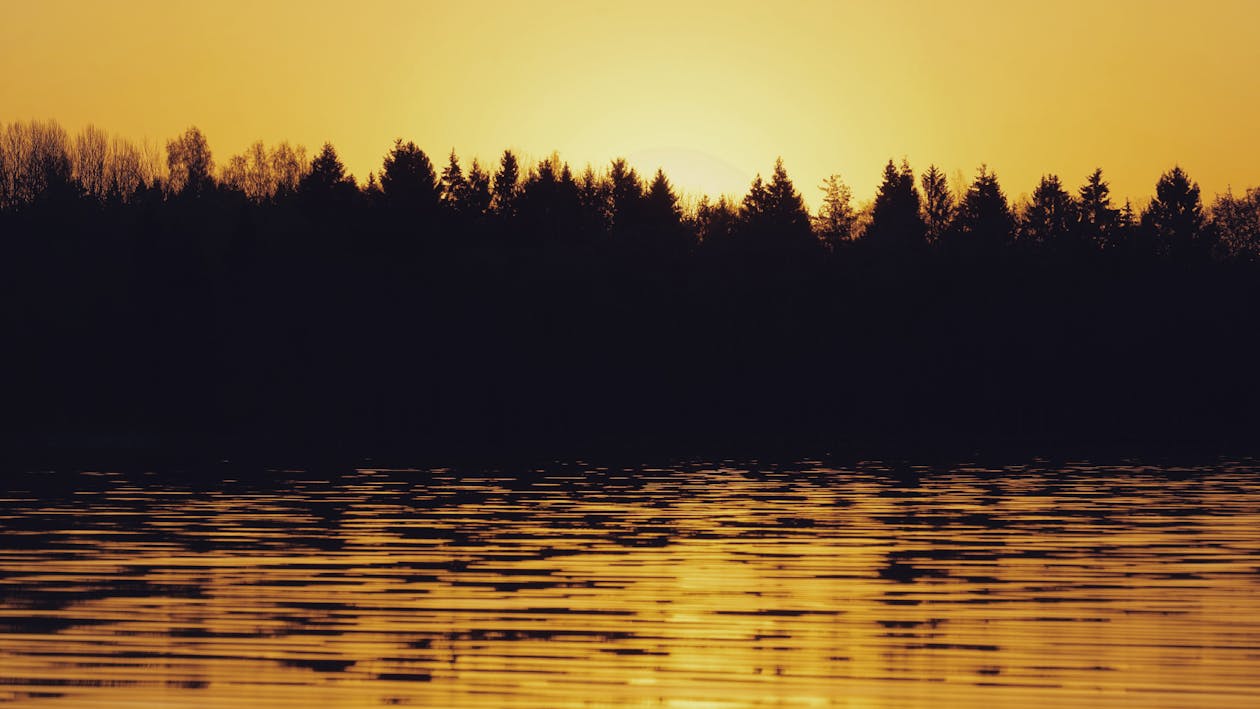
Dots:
{"x": 271, "y": 301}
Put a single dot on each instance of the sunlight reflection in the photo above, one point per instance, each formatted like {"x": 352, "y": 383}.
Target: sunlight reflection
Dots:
{"x": 697, "y": 587}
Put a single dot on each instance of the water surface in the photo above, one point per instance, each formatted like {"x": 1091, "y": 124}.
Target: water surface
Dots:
{"x": 707, "y": 585}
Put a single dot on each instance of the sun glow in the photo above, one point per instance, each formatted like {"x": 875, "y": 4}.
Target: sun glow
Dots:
{"x": 713, "y": 93}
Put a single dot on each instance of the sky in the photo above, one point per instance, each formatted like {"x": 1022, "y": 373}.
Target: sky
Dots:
{"x": 711, "y": 91}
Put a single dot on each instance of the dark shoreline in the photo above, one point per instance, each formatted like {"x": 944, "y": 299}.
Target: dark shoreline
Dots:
{"x": 210, "y": 457}
{"x": 546, "y": 316}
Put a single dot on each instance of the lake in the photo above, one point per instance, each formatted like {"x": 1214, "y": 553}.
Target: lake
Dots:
{"x": 714, "y": 584}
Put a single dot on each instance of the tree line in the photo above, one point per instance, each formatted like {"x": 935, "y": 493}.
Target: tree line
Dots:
{"x": 39, "y": 160}
{"x": 272, "y": 299}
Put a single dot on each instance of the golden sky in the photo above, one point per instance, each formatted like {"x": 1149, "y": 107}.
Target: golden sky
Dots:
{"x": 711, "y": 90}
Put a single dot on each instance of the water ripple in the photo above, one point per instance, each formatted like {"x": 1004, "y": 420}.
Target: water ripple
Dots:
{"x": 703, "y": 586}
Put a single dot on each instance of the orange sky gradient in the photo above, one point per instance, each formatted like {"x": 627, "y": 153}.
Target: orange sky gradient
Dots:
{"x": 712, "y": 92}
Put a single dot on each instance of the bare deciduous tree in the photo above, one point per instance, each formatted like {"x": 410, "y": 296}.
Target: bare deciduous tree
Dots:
{"x": 36, "y": 158}
{"x": 126, "y": 170}
{"x": 288, "y": 166}
{"x": 189, "y": 161}
{"x": 90, "y": 159}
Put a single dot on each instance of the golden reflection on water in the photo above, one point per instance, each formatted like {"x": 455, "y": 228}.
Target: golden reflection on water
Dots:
{"x": 705, "y": 586}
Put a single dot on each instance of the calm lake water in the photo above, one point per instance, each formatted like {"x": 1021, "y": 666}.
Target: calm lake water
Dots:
{"x": 709, "y": 585}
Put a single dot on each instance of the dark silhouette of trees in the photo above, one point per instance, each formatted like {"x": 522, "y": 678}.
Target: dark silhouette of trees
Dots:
{"x": 91, "y": 162}
{"x": 1098, "y": 219}
{"x": 507, "y": 185}
{"x": 408, "y": 181}
{"x": 625, "y": 191}
{"x": 288, "y": 167}
{"x": 663, "y": 219}
{"x": 476, "y": 201}
{"x": 189, "y": 162}
{"x": 595, "y": 202}
{"x": 261, "y": 174}
{"x": 548, "y": 205}
{"x": 836, "y": 218}
{"x": 279, "y": 303}
{"x": 1051, "y": 218}
{"x": 787, "y": 208}
{"x": 260, "y": 179}
{"x": 1236, "y": 222}
{"x": 1174, "y": 220}
{"x": 127, "y": 171}
{"x": 234, "y": 175}
{"x": 454, "y": 187}
{"x": 984, "y": 221}
{"x": 35, "y": 163}
{"x": 716, "y": 222}
{"x": 938, "y": 204}
{"x": 895, "y": 218}
{"x": 756, "y": 202}
{"x": 327, "y": 180}
{"x": 1126, "y": 222}
{"x": 773, "y": 218}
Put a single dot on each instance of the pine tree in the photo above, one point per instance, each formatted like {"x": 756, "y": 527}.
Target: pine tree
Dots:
{"x": 773, "y": 217}
{"x": 716, "y": 222}
{"x": 372, "y": 190}
{"x": 327, "y": 179}
{"x": 787, "y": 207}
{"x": 895, "y": 218}
{"x": 755, "y": 203}
{"x": 660, "y": 204}
{"x": 595, "y": 202}
{"x": 835, "y": 219}
{"x": 454, "y": 187}
{"x": 477, "y": 197}
{"x": 625, "y": 194}
{"x": 984, "y": 219}
{"x": 1050, "y": 219}
{"x": 1174, "y": 219}
{"x": 507, "y": 185}
{"x": 408, "y": 179}
{"x": 1097, "y": 218}
{"x": 938, "y": 203}
{"x": 663, "y": 225}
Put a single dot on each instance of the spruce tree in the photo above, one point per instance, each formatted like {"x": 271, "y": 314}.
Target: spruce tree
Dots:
{"x": 1097, "y": 219}
{"x": 938, "y": 203}
{"x": 507, "y": 185}
{"x": 1174, "y": 219}
{"x": 835, "y": 219}
{"x": 1051, "y": 217}
{"x": 454, "y": 186}
{"x": 895, "y": 218}
{"x": 408, "y": 179}
{"x": 984, "y": 219}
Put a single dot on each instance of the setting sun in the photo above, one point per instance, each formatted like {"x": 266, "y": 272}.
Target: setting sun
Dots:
{"x": 549, "y": 354}
{"x": 713, "y": 92}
